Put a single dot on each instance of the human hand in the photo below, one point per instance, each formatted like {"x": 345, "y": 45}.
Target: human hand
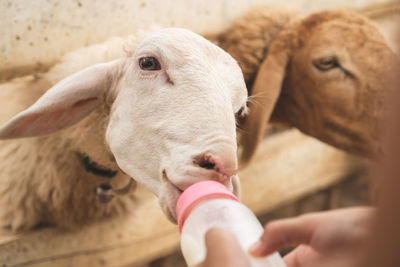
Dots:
{"x": 223, "y": 250}
{"x": 330, "y": 238}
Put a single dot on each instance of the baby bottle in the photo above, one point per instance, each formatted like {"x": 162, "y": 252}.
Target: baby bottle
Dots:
{"x": 209, "y": 204}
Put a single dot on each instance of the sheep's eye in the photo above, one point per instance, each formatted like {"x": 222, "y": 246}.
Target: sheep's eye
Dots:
{"x": 240, "y": 112}
{"x": 149, "y": 63}
{"x": 326, "y": 63}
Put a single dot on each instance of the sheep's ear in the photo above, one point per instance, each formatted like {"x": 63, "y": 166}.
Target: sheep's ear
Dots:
{"x": 66, "y": 103}
{"x": 266, "y": 89}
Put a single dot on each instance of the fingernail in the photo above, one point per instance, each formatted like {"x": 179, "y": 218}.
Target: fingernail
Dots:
{"x": 256, "y": 249}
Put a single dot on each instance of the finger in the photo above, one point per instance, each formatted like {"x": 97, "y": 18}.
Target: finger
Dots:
{"x": 302, "y": 256}
{"x": 223, "y": 250}
{"x": 284, "y": 233}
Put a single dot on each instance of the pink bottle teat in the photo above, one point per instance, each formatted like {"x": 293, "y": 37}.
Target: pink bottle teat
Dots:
{"x": 196, "y": 192}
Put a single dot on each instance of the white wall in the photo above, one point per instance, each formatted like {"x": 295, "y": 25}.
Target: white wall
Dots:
{"x": 35, "y": 33}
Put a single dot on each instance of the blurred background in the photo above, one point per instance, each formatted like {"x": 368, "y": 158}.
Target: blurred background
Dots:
{"x": 35, "y": 34}
{"x": 292, "y": 174}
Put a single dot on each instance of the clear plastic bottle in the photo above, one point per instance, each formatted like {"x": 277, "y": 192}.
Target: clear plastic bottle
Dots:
{"x": 210, "y": 204}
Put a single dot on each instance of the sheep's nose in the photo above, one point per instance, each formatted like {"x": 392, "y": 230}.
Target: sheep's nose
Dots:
{"x": 224, "y": 163}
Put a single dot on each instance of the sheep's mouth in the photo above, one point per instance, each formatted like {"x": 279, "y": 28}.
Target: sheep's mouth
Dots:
{"x": 173, "y": 195}
{"x": 167, "y": 180}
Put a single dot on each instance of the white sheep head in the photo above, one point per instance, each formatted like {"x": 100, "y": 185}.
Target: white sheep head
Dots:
{"x": 172, "y": 112}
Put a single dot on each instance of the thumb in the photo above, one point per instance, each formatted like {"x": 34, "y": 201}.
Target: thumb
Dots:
{"x": 283, "y": 233}
{"x": 223, "y": 250}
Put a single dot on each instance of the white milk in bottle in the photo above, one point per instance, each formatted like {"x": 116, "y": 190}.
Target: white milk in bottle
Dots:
{"x": 209, "y": 204}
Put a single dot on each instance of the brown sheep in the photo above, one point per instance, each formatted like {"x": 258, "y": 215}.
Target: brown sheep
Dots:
{"x": 325, "y": 74}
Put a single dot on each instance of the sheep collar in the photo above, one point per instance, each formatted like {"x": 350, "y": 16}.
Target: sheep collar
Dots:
{"x": 95, "y": 168}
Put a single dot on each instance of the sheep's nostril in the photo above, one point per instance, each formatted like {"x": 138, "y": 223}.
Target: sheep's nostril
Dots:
{"x": 225, "y": 165}
{"x": 206, "y": 161}
{"x": 207, "y": 165}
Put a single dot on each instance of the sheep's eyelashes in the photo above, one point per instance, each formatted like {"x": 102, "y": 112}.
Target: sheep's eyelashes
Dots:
{"x": 326, "y": 63}
{"x": 149, "y": 63}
